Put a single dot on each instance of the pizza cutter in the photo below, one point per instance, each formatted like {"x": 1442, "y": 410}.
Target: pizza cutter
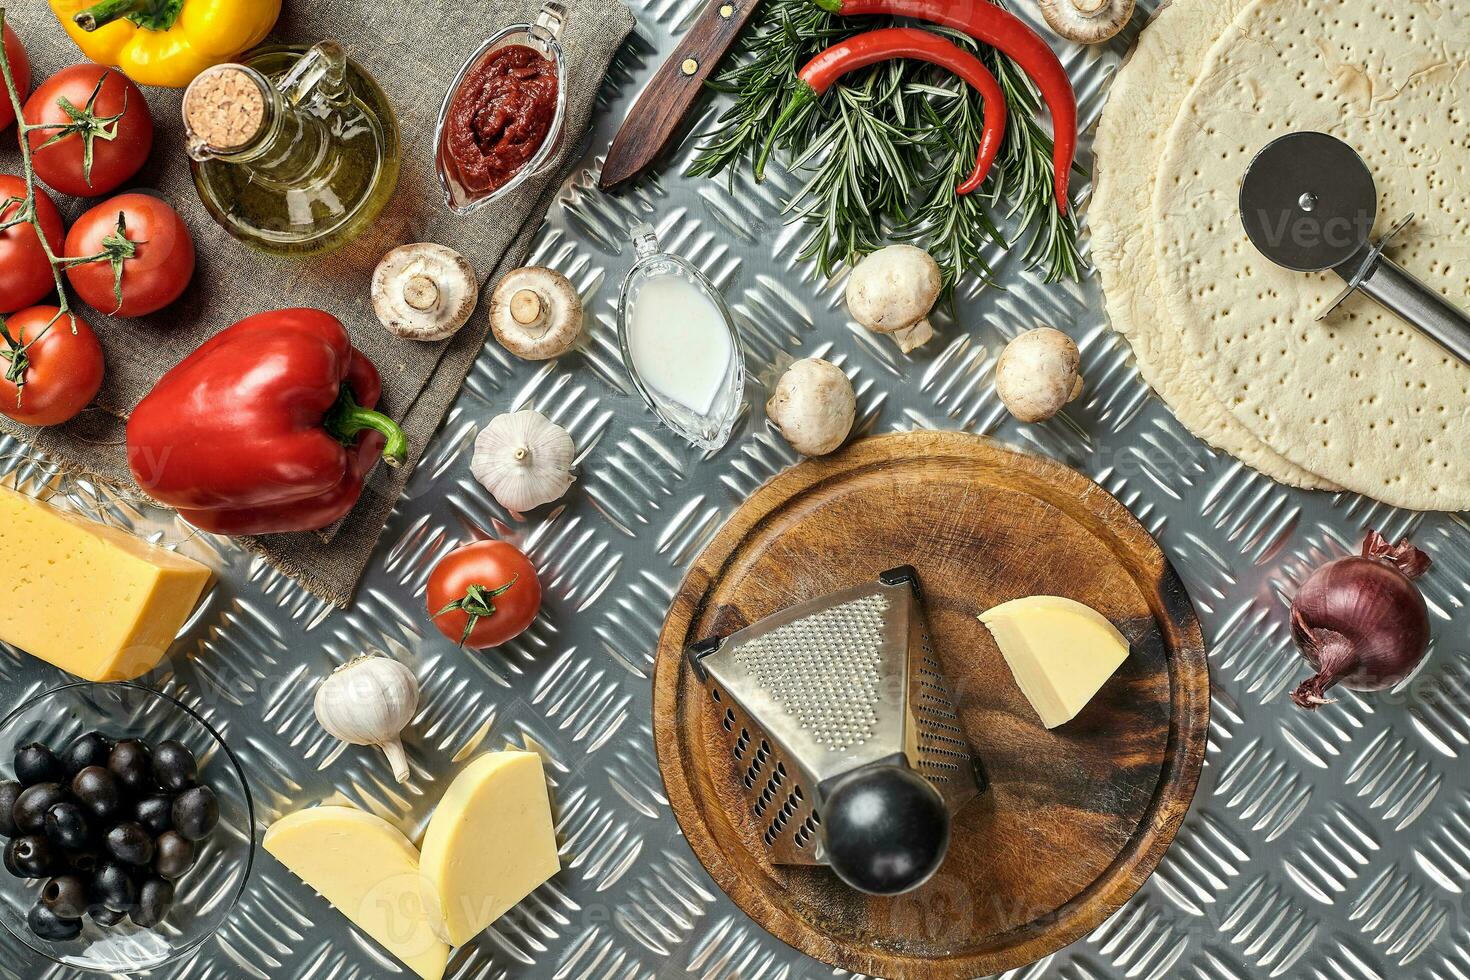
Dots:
{"x": 1308, "y": 204}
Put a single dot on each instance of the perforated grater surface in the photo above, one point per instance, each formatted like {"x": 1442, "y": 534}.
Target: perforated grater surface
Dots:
{"x": 830, "y": 688}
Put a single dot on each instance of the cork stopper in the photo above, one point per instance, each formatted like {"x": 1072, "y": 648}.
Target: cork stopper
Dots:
{"x": 225, "y": 108}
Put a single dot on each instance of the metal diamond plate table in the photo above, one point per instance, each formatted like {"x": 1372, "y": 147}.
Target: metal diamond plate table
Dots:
{"x": 1334, "y": 844}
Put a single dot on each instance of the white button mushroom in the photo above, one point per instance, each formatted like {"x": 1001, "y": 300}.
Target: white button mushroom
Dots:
{"x": 892, "y": 291}
{"x": 1037, "y": 374}
{"x": 1087, "y": 21}
{"x": 424, "y": 291}
{"x": 813, "y": 406}
{"x": 536, "y": 313}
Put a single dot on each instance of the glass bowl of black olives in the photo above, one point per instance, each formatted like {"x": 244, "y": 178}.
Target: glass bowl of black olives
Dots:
{"x": 127, "y": 826}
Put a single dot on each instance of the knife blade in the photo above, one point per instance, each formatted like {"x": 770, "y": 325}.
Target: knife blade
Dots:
{"x": 656, "y": 114}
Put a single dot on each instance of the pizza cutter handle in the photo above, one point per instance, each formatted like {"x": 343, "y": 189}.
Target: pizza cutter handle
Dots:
{"x": 1394, "y": 288}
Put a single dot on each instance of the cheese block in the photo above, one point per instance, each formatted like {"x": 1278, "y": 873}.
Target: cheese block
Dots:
{"x": 490, "y": 842}
{"x": 93, "y": 600}
{"x": 369, "y": 871}
{"x": 1060, "y": 652}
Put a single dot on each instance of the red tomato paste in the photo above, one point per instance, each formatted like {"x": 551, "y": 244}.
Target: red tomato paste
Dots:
{"x": 500, "y": 116}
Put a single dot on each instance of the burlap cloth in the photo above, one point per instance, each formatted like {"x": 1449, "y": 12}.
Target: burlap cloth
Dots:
{"x": 413, "y": 50}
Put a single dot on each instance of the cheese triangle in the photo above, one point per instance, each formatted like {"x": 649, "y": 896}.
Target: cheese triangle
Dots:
{"x": 1060, "y": 652}
{"x": 369, "y": 871}
{"x": 490, "y": 843}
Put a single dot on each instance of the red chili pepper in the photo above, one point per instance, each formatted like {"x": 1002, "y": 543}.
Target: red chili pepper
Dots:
{"x": 823, "y": 71}
{"x": 1007, "y": 33}
{"x": 267, "y": 427}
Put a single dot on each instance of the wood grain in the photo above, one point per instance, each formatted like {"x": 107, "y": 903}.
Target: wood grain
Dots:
{"x": 662, "y": 106}
{"x": 1075, "y": 819}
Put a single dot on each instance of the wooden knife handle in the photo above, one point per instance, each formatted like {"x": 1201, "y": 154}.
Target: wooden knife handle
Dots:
{"x": 656, "y": 114}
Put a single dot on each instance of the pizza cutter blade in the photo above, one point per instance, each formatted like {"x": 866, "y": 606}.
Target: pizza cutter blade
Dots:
{"x": 1308, "y": 204}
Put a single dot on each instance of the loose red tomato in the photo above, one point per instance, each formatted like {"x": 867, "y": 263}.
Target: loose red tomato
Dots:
{"x": 50, "y": 374}
{"x": 142, "y": 237}
{"x": 484, "y": 594}
{"x": 93, "y": 106}
{"x": 20, "y": 70}
{"x": 25, "y": 273}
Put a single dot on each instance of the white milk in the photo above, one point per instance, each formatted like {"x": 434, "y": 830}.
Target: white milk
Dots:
{"x": 679, "y": 342}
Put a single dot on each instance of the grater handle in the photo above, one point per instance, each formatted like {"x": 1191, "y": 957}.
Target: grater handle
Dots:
{"x": 885, "y": 829}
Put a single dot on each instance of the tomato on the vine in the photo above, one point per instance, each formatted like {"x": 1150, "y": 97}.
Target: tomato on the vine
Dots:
{"x": 20, "y": 70}
{"x": 102, "y": 130}
{"x": 145, "y": 255}
{"x": 52, "y": 367}
{"x": 484, "y": 594}
{"x": 25, "y": 272}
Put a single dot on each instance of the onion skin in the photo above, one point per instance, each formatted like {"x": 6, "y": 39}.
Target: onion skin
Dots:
{"x": 1360, "y": 621}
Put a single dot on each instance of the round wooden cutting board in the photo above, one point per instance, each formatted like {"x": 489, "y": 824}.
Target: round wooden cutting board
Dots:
{"x": 1075, "y": 818}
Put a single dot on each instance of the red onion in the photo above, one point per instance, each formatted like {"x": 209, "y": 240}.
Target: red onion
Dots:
{"x": 1361, "y": 621}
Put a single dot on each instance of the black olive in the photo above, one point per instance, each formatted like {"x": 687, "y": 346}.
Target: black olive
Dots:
{"x": 174, "y": 766}
{"x": 129, "y": 842}
{"x": 51, "y": 927}
{"x": 36, "y": 763}
{"x": 131, "y": 764}
{"x": 66, "y": 826}
{"x": 196, "y": 812}
{"x": 175, "y": 855}
{"x": 84, "y": 861}
{"x": 113, "y": 887}
{"x": 31, "y": 806}
{"x": 30, "y": 857}
{"x": 155, "y": 897}
{"x": 10, "y": 866}
{"x": 91, "y": 749}
{"x": 66, "y": 896}
{"x": 98, "y": 791}
{"x": 155, "y": 812}
{"x": 10, "y": 791}
{"x": 104, "y": 916}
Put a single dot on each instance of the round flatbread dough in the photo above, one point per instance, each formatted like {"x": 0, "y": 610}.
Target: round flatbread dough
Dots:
{"x": 1361, "y": 398}
{"x": 1142, "y": 104}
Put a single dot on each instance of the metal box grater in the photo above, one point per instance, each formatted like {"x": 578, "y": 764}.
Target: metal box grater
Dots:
{"x": 842, "y": 685}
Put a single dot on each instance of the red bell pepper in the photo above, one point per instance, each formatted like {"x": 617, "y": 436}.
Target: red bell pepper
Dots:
{"x": 267, "y": 427}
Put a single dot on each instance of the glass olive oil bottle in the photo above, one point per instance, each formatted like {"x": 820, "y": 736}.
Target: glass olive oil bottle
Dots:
{"x": 295, "y": 151}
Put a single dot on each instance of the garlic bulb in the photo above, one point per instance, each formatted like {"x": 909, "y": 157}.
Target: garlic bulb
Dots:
{"x": 524, "y": 459}
{"x": 369, "y": 701}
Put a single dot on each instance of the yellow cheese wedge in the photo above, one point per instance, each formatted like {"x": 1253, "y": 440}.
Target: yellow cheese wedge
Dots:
{"x": 490, "y": 843}
{"x": 93, "y": 600}
{"x": 1060, "y": 652}
{"x": 369, "y": 871}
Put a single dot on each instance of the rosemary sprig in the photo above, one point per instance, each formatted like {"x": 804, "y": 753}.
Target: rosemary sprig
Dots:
{"x": 880, "y": 156}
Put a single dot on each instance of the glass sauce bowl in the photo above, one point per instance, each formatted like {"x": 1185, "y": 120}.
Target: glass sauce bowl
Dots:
{"x": 206, "y": 895}
{"x": 707, "y": 426}
{"x": 544, "y": 37}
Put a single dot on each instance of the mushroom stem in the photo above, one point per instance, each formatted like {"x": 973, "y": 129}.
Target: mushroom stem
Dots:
{"x": 1089, "y": 8}
{"x": 421, "y": 293}
{"x": 525, "y": 307}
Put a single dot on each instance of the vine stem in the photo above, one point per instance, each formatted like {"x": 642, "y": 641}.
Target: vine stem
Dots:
{"x": 27, "y": 211}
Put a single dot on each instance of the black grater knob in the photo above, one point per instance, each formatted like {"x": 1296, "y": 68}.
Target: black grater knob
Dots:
{"x": 886, "y": 829}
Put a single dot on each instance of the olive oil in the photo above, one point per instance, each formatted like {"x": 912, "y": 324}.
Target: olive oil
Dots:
{"x": 295, "y": 151}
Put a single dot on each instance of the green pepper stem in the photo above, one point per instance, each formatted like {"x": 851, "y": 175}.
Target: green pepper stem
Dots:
{"x": 347, "y": 419}
{"x": 105, "y": 12}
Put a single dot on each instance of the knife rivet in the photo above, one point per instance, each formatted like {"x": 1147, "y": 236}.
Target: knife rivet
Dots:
{"x": 727, "y": 11}
{"x": 690, "y": 66}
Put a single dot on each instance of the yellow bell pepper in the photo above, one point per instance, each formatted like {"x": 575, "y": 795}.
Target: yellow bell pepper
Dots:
{"x": 166, "y": 42}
